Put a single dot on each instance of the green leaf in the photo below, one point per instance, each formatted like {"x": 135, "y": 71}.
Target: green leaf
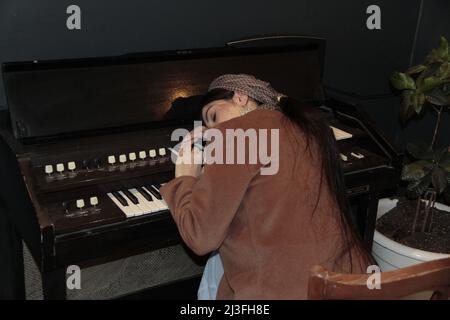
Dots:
{"x": 416, "y": 69}
{"x": 415, "y": 103}
{"x": 418, "y": 99}
{"x": 420, "y": 150}
{"x": 444, "y": 71}
{"x": 402, "y": 81}
{"x": 443, "y": 48}
{"x": 429, "y": 71}
{"x": 439, "y": 179}
{"x": 418, "y": 187}
{"x": 430, "y": 83}
{"x": 438, "y": 97}
{"x": 406, "y": 108}
{"x": 433, "y": 57}
{"x": 426, "y": 164}
{"x": 439, "y": 54}
{"x": 413, "y": 171}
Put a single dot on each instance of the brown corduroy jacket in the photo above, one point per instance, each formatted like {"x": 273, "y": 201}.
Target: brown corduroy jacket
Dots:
{"x": 263, "y": 225}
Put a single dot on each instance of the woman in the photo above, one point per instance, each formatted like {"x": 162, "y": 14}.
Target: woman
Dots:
{"x": 269, "y": 229}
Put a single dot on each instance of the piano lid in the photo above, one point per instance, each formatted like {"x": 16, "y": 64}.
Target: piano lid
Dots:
{"x": 48, "y": 98}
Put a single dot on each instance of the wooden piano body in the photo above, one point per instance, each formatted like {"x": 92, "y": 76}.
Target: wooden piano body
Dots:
{"x": 84, "y": 111}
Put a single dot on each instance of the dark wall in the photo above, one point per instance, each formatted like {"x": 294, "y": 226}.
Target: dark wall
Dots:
{"x": 359, "y": 61}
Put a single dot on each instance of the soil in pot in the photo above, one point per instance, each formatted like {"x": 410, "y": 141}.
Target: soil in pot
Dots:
{"x": 397, "y": 223}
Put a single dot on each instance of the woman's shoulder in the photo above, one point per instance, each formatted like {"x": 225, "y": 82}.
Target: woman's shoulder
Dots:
{"x": 256, "y": 119}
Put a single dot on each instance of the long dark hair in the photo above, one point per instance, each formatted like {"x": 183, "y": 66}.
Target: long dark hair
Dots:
{"x": 310, "y": 120}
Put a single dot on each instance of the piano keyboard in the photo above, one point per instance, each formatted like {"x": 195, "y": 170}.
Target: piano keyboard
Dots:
{"x": 139, "y": 201}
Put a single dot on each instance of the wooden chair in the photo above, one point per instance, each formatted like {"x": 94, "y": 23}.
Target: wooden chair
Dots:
{"x": 432, "y": 276}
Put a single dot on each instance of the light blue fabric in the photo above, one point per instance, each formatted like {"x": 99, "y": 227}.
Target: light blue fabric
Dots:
{"x": 211, "y": 277}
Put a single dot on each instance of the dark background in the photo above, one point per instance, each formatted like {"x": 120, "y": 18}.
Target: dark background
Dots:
{"x": 358, "y": 62}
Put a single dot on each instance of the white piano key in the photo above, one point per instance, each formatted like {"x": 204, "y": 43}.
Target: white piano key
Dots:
{"x": 125, "y": 209}
{"x": 150, "y": 202}
{"x": 160, "y": 205}
{"x": 147, "y": 206}
{"x": 164, "y": 204}
{"x": 141, "y": 206}
{"x": 135, "y": 208}
{"x": 156, "y": 202}
{"x": 162, "y": 200}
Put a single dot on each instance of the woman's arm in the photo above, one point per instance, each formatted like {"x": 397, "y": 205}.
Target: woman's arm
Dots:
{"x": 204, "y": 207}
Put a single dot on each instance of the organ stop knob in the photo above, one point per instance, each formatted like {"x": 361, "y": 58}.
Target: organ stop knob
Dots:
{"x": 111, "y": 160}
{"x": 49, "y": 169}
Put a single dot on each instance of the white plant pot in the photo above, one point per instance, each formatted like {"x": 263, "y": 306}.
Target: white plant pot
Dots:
{"x": 392, "y": 255}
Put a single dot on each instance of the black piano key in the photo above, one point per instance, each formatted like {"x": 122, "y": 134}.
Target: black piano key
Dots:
{"x": 119, "y": 197}
{"x": 145, "y": 194}
{"x": 157, "y": 190}
{"x": 130, "y": 196}
{"x": 154, "y": 192}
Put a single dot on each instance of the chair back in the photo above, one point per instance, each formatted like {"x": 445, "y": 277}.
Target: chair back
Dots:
{"x": 433, "y": 276}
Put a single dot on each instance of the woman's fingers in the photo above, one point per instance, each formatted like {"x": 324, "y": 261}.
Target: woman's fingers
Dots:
{"x": 190, "y": 156}
{"x": 192, "y": 136}
{"x": 189, "y": 164}
{"x": 195, "y": 134}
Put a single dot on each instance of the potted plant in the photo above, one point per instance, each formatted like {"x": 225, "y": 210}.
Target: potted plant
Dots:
{"x": 415, "y": 227}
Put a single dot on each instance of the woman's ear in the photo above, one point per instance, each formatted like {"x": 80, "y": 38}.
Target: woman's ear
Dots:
{"x": 240, "y": 99}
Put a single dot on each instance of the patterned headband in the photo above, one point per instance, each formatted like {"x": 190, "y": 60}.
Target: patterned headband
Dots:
{"x": 249, "y": 85}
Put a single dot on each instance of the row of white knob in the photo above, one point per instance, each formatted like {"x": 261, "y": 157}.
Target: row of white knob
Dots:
{"x": 111, "y": 160}
{"x": 132, "y": 156}
{"x": 93, "y": 201}
{"x": 60, "y": 167}
{"x": 353, "y": 154}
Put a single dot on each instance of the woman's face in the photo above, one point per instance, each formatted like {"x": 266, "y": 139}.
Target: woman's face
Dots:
{"x": 218, "y": 111}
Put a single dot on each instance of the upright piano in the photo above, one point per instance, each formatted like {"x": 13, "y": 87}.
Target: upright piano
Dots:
{"x": 84, "y": 150}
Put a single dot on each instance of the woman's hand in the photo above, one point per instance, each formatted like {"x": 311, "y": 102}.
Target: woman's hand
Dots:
{"x": 189, "y": 163}
{"x": 190, "y": 158}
